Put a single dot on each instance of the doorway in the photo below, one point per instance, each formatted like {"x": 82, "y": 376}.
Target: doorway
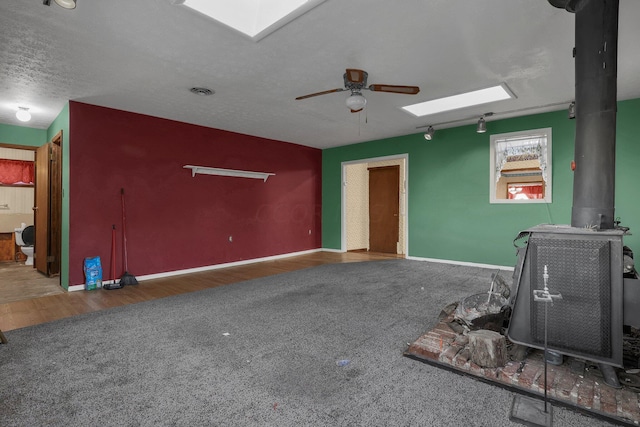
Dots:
{"x": 355, "y": 210}
{"x": 17, "y": 280}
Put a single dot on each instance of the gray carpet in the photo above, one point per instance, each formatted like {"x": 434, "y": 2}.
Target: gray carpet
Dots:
{"x": 168, "y": 363}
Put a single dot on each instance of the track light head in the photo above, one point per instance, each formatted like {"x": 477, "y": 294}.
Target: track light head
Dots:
{"x": 572, "y": 110}
{"x": 67, "y": 4}
{"x": 482, "y": 125}
{"x": 429, "y": 134}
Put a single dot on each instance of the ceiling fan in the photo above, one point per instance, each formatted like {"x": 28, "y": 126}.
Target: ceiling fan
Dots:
{"x": 356, "y": 82}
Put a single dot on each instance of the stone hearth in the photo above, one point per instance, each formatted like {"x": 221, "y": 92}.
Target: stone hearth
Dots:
{"x": 584, "y": 390}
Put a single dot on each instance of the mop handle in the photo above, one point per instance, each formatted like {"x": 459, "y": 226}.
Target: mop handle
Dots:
{"x": 113, "y": 253}
{"x": 124, "y": 232}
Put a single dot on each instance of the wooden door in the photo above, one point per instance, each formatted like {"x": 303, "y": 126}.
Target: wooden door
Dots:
{"x": 41, "y": 209}
{"x": 48, "y": 208}
{"x": 55, "y": 209}
{"x": 384, "y": 206}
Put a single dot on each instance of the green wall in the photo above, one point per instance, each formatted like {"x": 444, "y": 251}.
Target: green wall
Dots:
{"x": 449, "y": 214}
{"x": 31, "y": 137}
{"x": 19, "y": 135}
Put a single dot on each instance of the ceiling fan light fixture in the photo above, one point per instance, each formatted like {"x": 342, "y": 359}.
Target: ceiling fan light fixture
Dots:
{"x": 356, "y": 101}
{"x": 429, "y": 134}
{"x": 23, "y": 114}
{"x": 67, "y": 4}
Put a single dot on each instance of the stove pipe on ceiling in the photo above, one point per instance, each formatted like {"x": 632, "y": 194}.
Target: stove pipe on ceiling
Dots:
{"x": 596, "y": 57}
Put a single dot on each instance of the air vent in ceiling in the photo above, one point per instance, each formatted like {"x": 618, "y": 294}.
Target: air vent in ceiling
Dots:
{"x": 202, "y": 91}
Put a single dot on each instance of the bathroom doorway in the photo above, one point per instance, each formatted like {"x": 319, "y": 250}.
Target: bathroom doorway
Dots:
{"x": 17, "y": 201}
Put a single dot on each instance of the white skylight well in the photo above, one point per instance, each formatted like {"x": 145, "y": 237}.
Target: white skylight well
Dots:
{"x": 254, "y": 18}
{"x": 469, "y": 99}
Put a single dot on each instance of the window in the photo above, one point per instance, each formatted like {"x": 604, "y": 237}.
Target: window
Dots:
{"x": 520, "y": 170}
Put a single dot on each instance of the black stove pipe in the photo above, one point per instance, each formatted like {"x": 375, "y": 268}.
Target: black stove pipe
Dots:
{"x": 596, "y": 56}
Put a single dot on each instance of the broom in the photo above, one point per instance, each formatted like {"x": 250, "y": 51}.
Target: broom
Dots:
{"x": 113, "y": 284}
{"x": 126, "y": 278}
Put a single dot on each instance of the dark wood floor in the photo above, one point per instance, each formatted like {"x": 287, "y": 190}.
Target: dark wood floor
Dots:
{"x": 28, "y": 312}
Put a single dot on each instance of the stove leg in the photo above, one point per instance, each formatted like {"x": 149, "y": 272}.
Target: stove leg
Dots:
{"x": 609, "y": 375}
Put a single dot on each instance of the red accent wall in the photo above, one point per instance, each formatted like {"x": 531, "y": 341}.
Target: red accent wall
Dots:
{"x": 175, "y": 221}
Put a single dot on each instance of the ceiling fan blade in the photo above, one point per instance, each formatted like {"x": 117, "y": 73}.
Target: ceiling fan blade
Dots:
{"x": 409, "y": 90}
{"x": 355, "y": 76}
{"x": 320, "y": 93}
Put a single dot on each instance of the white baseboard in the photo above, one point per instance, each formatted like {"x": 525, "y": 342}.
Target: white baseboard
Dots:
{"x": 81, "y": 287}
{"x": 468, "y": 264}
{"x": 206, "y": 268}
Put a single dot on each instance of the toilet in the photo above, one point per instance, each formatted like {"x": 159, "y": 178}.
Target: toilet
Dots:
{"x": 25, "y": 238}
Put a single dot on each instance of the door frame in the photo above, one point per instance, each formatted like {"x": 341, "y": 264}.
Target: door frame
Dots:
{"x": 404, "y": 204}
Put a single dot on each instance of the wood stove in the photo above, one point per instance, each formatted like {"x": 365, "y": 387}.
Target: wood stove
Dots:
{"x": 584, "y": 260}
{"x": 585, "y": 266}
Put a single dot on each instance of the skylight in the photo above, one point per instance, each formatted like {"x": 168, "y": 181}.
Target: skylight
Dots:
{"x": 469, "y": 99}
{"x": 254, "y": 18}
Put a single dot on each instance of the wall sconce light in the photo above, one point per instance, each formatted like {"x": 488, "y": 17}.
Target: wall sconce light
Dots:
{"x": 429, "y": 134}
{"x": 572, "y": 110}
{"x": 23, "y": 114}
{"x": 67, "y": 4}
{"x": 482, "y": 125}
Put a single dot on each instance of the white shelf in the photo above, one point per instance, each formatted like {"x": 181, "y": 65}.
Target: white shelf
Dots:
{"x": 227, "y": 172}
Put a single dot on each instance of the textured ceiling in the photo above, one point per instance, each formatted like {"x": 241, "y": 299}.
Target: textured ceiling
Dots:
{"x": 143, "y": 56}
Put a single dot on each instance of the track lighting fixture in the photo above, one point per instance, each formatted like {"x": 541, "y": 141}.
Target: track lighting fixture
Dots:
{"x": 572, "y": 110}
{"x": 429, "y": 134}
{"x": 23, "y": 114}
{"x": 482, "y": 125}
{"x": 67, "y": 4}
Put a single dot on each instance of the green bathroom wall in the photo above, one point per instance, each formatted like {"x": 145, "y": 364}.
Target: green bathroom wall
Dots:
{"x": 19, "y": 135}
{"x": 449, "y": 214}
{"x": 61, "y": 123}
